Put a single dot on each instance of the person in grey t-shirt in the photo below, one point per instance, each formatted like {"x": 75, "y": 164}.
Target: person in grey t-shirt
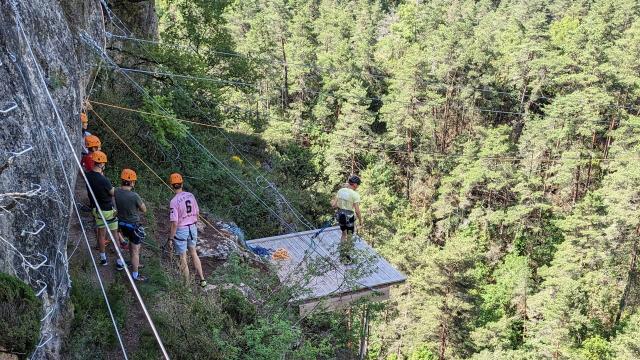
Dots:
{"x": 129, "y": 203}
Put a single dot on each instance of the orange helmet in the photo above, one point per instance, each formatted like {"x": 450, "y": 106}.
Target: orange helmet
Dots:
{"x": 99, "y": 157}
{"x": 129, "y": 175}
{"x": 175, "y": 178}
{"x": 83, "y": 118}
{"x": 92, "y": 141}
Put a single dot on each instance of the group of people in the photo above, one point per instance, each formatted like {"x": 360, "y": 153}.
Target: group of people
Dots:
{"x": 118, "y": 210}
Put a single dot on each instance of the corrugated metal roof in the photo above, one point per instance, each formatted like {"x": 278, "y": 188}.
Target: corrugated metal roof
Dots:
{"x": 331, "y": 278}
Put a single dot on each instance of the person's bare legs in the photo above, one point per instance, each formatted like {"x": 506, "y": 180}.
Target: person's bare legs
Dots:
{"x": 184, "y": 268}
{"x": 102, "y": 239}
{"x": 196, "y": 261}
{"x": 134, "y": 250}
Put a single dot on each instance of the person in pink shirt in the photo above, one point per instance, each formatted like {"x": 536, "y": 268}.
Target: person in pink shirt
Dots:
{"x": 184, "y": 233}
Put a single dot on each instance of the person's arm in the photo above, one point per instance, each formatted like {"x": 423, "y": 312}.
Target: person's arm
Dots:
{"x": 141, "y": 206}
{"x": 196, "y": 207}
{"x": 172, "y": 234}
{"x": 173, "y": 218}
{"x": 112, "y": 192}
{"x": 356, "y": 207}
{"x": 334, "y": 202}
{"x": 173, "y": 229}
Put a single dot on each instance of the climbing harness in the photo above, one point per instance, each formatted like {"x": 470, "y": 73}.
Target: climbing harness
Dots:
{"x": 345, "y": 218}
{"x": 190, "y": 237}
{"x": 138, "y": 230}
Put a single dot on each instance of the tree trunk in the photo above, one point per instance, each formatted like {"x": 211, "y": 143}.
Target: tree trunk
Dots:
{"x": 268, "y": 97}
{"x": 410, "y": 161}
{"x": 586, "y": 188}
{"x": 631, "y": 278}
{"x": 353, "y": 160}
{"x": 444, "y": 330}
{"x": 593, "y": 146}
{"x": 349, "y": 345}
{"x": 606, "y": 147}
{"x": 285, "y": 92}
{"x": 526, "y": 314}
{"x": 577, "y": 186}
{"x": 442, "y": 348}
{"x": 364, "y": 333}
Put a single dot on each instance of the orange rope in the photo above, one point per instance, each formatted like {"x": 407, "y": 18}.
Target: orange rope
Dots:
{"x": 145, "y": 164}
{"x": 153, "y": 114}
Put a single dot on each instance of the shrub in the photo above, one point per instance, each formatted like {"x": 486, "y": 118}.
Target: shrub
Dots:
{"x": 92, "y": 333}
{"x": 236, "y": 305}
{"x": 19, "y": 316}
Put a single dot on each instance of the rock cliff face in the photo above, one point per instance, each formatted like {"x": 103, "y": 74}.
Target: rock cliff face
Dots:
{"x": 35, "y": 156}
{"x": 41, "y": 134}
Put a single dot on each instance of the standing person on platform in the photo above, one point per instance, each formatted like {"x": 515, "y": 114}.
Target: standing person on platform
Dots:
{"x": 347, "y": 202}
{"x": 183, "y": 235}
{"x": 129, "y": 204}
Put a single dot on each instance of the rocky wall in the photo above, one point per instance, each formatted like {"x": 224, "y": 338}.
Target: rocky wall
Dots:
{"x": 35, "y": 155}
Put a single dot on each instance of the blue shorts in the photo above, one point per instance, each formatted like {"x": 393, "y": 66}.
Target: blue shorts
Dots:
{"x": 185, "y": 237}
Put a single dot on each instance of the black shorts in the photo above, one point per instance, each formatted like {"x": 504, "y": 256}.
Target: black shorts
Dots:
{"x": 346, "y": 219}
{"x": 132, "y": 233}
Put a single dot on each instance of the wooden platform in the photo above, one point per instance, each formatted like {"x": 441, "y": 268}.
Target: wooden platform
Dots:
{"x": 333, "y": 285}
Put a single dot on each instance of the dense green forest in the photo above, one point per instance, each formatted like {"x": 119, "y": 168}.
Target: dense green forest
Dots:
{"x": 498, "y": 143}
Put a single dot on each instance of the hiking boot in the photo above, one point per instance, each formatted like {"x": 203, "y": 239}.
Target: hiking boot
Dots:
{"x": 119, "y": 267}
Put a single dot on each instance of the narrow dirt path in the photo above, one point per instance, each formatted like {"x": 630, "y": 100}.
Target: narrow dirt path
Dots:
{"x": 135, "y": 321}
{"x": 135, "y": 318}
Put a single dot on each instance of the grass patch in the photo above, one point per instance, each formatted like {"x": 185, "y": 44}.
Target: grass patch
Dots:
{"x": 92, "y": 335}
{"x": 19, "y": 316}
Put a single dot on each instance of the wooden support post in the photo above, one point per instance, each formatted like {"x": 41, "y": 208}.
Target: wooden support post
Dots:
{"x": 349, "y": 322}
{"x": 364, "y": 334}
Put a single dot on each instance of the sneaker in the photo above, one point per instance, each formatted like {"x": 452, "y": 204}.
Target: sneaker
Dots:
{"x": 140, "y": 278}
{"x": 119, "y": 267}
{"x": 203, "y": 283}
{"x": 103, "y": 262}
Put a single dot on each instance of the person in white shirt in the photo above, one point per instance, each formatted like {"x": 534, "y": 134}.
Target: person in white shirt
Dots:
{"x": 347, "y": 202}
